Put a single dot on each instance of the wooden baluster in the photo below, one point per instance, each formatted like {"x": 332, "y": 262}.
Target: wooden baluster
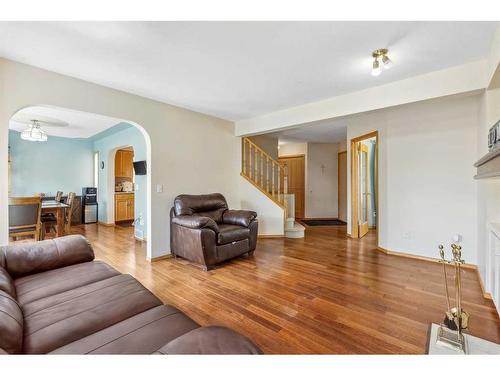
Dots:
{"x": 244, "y": 157}
{"x": 249, "y": 160}
{"x": 273, "y": 178}
{"x": 279, "y": 183}
{"x": 261, "y": 169}
{"x": 285, "y": 181}
{"x": 267, "y": 174}
{"x": 255, "y": 171}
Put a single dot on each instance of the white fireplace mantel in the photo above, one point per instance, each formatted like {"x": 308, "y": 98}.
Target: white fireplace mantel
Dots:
{"x": 489, "y": 165}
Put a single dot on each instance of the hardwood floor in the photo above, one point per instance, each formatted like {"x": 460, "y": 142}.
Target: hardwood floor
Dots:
{"x": 325, "y": 293}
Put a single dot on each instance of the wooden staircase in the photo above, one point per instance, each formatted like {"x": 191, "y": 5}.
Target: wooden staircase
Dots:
{"x": 271, "y": 178}
{"x": 264, "y": 172}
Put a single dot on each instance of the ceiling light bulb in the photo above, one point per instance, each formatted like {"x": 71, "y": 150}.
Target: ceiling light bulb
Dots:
{"x": 387, "y": 62}
{"x": 376, "y": 70}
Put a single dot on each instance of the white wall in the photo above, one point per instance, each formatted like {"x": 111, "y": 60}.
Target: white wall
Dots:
{"x": 426, "y": 187}
{"x": 271, "y": 216}
{"x": 188, "y": 152}
{"x": 268, "y": 143}
{"x": 292, "y": 149}
{"x": 343, "y": 146}
{"x": 322, "y": 180}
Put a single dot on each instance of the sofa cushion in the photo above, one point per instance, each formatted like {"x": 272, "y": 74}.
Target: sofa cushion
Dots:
{"x": 141, "y": 334}
{"x": 57, "y": 320}
{"x": 230, "y": 233}
{"x": 11, "y": 324}
{"x": 48, "y": 283}
{"x": 210, "y": 340}
{"x": 6, "y": 283}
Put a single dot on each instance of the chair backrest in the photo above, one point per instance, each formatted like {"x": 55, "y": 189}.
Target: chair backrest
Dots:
{"x": 24, "y": 212}
{"x": 59, "y": 196}
{"x": 70, "y": 201}
{"x": 209, "y": 205}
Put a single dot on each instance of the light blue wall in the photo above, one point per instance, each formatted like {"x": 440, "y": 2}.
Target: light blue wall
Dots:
{"x": 45, "y": 167}
{"x": 104, "y": 143}
{"x": 66, "y": 164}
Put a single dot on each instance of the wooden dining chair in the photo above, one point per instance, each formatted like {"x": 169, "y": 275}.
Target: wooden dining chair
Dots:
{"x": 70, "y": 201}
{"x": 48, "y": 219}
{"x": 58, "y": 196}
{"x": 24, "y": 217}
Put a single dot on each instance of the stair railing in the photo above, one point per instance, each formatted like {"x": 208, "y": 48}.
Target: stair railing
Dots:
{"x": 264, "y": 172}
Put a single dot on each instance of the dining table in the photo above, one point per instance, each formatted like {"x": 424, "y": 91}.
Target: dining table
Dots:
{"x": 58, "y": 209}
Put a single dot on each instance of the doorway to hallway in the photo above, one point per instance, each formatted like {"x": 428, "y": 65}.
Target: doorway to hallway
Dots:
{"x": 364, "y": 184}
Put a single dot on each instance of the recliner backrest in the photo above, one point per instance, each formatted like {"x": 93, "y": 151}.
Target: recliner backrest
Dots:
{"x": 209, "y": 205}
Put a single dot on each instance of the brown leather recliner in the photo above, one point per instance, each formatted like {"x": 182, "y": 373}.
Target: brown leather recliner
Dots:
{"x": 203, "y": 230}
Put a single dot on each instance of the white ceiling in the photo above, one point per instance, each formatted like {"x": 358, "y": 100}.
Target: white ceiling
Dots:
{"x": 324, "y": 131}
{"x": 69, "y": 124}
{"x": 237, "y": 70}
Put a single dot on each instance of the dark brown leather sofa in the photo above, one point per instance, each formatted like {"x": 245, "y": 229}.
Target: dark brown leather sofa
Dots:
{"x": 205, "y": 231}
{"x": 54, "y": 298}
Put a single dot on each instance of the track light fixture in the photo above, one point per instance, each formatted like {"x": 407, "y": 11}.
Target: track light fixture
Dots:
{"x": 380, "y": 59}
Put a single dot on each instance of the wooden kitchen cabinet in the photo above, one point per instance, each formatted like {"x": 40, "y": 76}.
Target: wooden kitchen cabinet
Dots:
{"x": 124, "y": 166}
{"x": 124, "y": 207}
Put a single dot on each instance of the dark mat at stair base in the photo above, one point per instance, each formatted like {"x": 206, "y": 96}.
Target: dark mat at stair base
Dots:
{"x": 324, "y": 222}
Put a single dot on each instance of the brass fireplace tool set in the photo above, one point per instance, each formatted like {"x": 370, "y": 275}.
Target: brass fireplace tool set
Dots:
{"x": 456, "y": 320}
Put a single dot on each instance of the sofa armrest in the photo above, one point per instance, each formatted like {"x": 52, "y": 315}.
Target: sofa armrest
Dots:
{"x": 239, "y": 217}
{"x": 195, "y": 222}
{"x": 24, "y": 259}
{"x": 210, "y": 340}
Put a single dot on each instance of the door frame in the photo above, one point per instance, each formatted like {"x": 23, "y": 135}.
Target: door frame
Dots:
{"x": 338, "y": 181}
{"x": 297, "y": 156}
{"x": 354, "y": 182}
{"x": 111, "y": 183}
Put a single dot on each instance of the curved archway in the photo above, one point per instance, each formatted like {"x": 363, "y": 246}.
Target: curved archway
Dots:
{"x": 112, "y": 152}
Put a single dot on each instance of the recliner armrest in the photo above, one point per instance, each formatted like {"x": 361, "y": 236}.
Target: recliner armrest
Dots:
{"x": 24, "y": 259}
{"x": 195, "y": 222}
{"x": 239, "y": 217}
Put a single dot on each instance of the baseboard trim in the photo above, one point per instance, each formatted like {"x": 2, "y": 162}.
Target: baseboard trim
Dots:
{"x": 161, "y": 257}
{"x": 436, "y": 260}
{"x": 318, "y": 218}
{"x": 271, "y": 236}
{"x": 106, "y": 224}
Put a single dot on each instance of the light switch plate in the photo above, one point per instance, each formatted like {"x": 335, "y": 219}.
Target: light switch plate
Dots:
{"x": 159, "y": 188}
